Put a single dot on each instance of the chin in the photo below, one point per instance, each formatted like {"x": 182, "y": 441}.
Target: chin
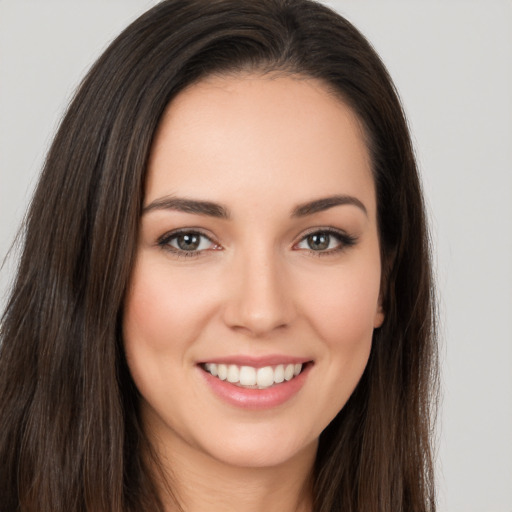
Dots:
{"x": 261, "y": 451}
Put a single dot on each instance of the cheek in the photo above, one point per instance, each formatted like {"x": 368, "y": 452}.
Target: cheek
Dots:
{"x": 164, "y": 311}
{"x": 341, "y": 308}
{"x": 345, "y": 325}
{"x": 344, "y": 306}
{"x": 164, "y": 314}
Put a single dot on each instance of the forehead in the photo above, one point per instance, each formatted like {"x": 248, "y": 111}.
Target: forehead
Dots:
{"x": 254, "y": 134}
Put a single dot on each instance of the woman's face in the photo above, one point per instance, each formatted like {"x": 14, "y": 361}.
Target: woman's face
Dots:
{"x": 258, "y": 258}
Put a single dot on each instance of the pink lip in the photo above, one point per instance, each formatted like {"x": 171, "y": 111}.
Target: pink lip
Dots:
{"x": 256, "y": 399}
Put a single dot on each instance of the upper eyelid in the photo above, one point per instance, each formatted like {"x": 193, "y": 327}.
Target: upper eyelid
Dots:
{"x": 325, "y": 229}
{"x": 164, "y": 243}
{"x": 176, "y": 232}
{"x": 200, "y": 231}
{"x": 345, "y": 239}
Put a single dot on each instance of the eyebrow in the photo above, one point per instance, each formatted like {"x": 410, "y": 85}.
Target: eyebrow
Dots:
{"x": 320, "y": 205}
{"x": 188, "y": 206}
{"x": 212, "y": 209}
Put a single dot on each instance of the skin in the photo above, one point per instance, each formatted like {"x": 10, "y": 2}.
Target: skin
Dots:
{"x": 260, "y": 146}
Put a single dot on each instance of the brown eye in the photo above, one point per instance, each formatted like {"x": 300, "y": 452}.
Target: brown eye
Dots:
{"x": 326, "y": 241}
{"x": 188, "y": 241}
{"x": 318, "y": 241}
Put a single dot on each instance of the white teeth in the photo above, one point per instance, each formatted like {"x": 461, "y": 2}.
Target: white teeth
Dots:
{"x": 233, "y": 373}
{"x": 222, "y": 371}
{"x": 254, "y": 377}
{"x": 288, "y": 372}
{"x": 265, "y": 377}
{"x": 247, "y": 376}
{"x": 212, "y": 368}
{"x": 279, "y": 374}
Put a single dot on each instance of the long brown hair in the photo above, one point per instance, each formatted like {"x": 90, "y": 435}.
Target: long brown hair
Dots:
{"x": 70, "y": 435}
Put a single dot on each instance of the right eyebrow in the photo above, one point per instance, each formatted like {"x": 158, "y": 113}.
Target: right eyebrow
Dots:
{"x": 325, "y": 203}
{"x": 188, "y": 206}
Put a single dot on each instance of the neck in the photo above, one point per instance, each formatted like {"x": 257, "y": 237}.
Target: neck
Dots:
{"x": 192, "y": 481}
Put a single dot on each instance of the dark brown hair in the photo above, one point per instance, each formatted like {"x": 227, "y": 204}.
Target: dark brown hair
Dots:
{"x": 70, "y": 436}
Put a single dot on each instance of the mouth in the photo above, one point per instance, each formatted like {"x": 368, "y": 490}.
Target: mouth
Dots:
{"x": 250, "y": 377}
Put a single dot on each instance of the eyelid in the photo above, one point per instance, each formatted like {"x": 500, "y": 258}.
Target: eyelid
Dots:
{"x": 345, "y": 240}
{"x": 164, "y": 242}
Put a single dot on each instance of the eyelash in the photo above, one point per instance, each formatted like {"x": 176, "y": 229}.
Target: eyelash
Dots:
{"x": 165, "y": 241}
{"x": 345, "y": 241}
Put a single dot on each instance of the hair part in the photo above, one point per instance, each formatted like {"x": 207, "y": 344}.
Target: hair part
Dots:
{"x": 70, "y": 432}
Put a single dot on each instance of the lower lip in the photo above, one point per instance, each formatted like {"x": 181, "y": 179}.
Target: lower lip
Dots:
{"x": 256, "y": 399}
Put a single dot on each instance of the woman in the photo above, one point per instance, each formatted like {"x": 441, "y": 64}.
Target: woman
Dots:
{"x": 224, "y": 298}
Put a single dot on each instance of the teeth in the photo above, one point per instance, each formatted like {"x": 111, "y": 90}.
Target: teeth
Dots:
{"x": 233, "y": 373}
{"x": 265, "y": 377}
{"x": 212, "y": 368}
{"x": 288, "y": 372}
{"x": 279, "y": 374}
{"x": 222, "y": 371}
{"x": 247, "y": 376}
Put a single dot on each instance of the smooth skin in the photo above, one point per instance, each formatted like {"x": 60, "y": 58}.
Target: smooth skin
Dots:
{"x": 258, "y": 273}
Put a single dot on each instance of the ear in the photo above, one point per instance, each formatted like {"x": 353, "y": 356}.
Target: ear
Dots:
{"x": 379, "y": 316}
{"x": 388, "y": 260}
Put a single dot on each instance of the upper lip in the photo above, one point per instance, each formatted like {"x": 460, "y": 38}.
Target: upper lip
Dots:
{"x": 257, "y": 361}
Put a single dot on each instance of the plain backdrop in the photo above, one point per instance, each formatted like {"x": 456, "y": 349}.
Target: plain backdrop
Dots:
{"x": 452, "y": 63}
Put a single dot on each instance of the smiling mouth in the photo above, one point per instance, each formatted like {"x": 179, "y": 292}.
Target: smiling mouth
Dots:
{"x": 250, "y": 377}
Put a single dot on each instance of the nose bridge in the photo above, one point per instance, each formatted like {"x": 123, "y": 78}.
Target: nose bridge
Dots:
{"x": 259, "y": 301}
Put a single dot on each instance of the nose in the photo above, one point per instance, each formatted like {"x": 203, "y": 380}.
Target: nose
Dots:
{"x": 260, "y": 299}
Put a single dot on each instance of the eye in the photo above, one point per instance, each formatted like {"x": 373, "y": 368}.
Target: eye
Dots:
{"x": 187, "y": 242}
{"x": 326, "y": 241}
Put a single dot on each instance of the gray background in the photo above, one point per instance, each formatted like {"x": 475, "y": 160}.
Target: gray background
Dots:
{"x": 452, "y": 63}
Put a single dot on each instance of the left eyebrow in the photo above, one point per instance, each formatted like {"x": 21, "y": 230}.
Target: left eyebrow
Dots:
{"x": 193, "y": 206}
{"x": 320, "y": 205}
